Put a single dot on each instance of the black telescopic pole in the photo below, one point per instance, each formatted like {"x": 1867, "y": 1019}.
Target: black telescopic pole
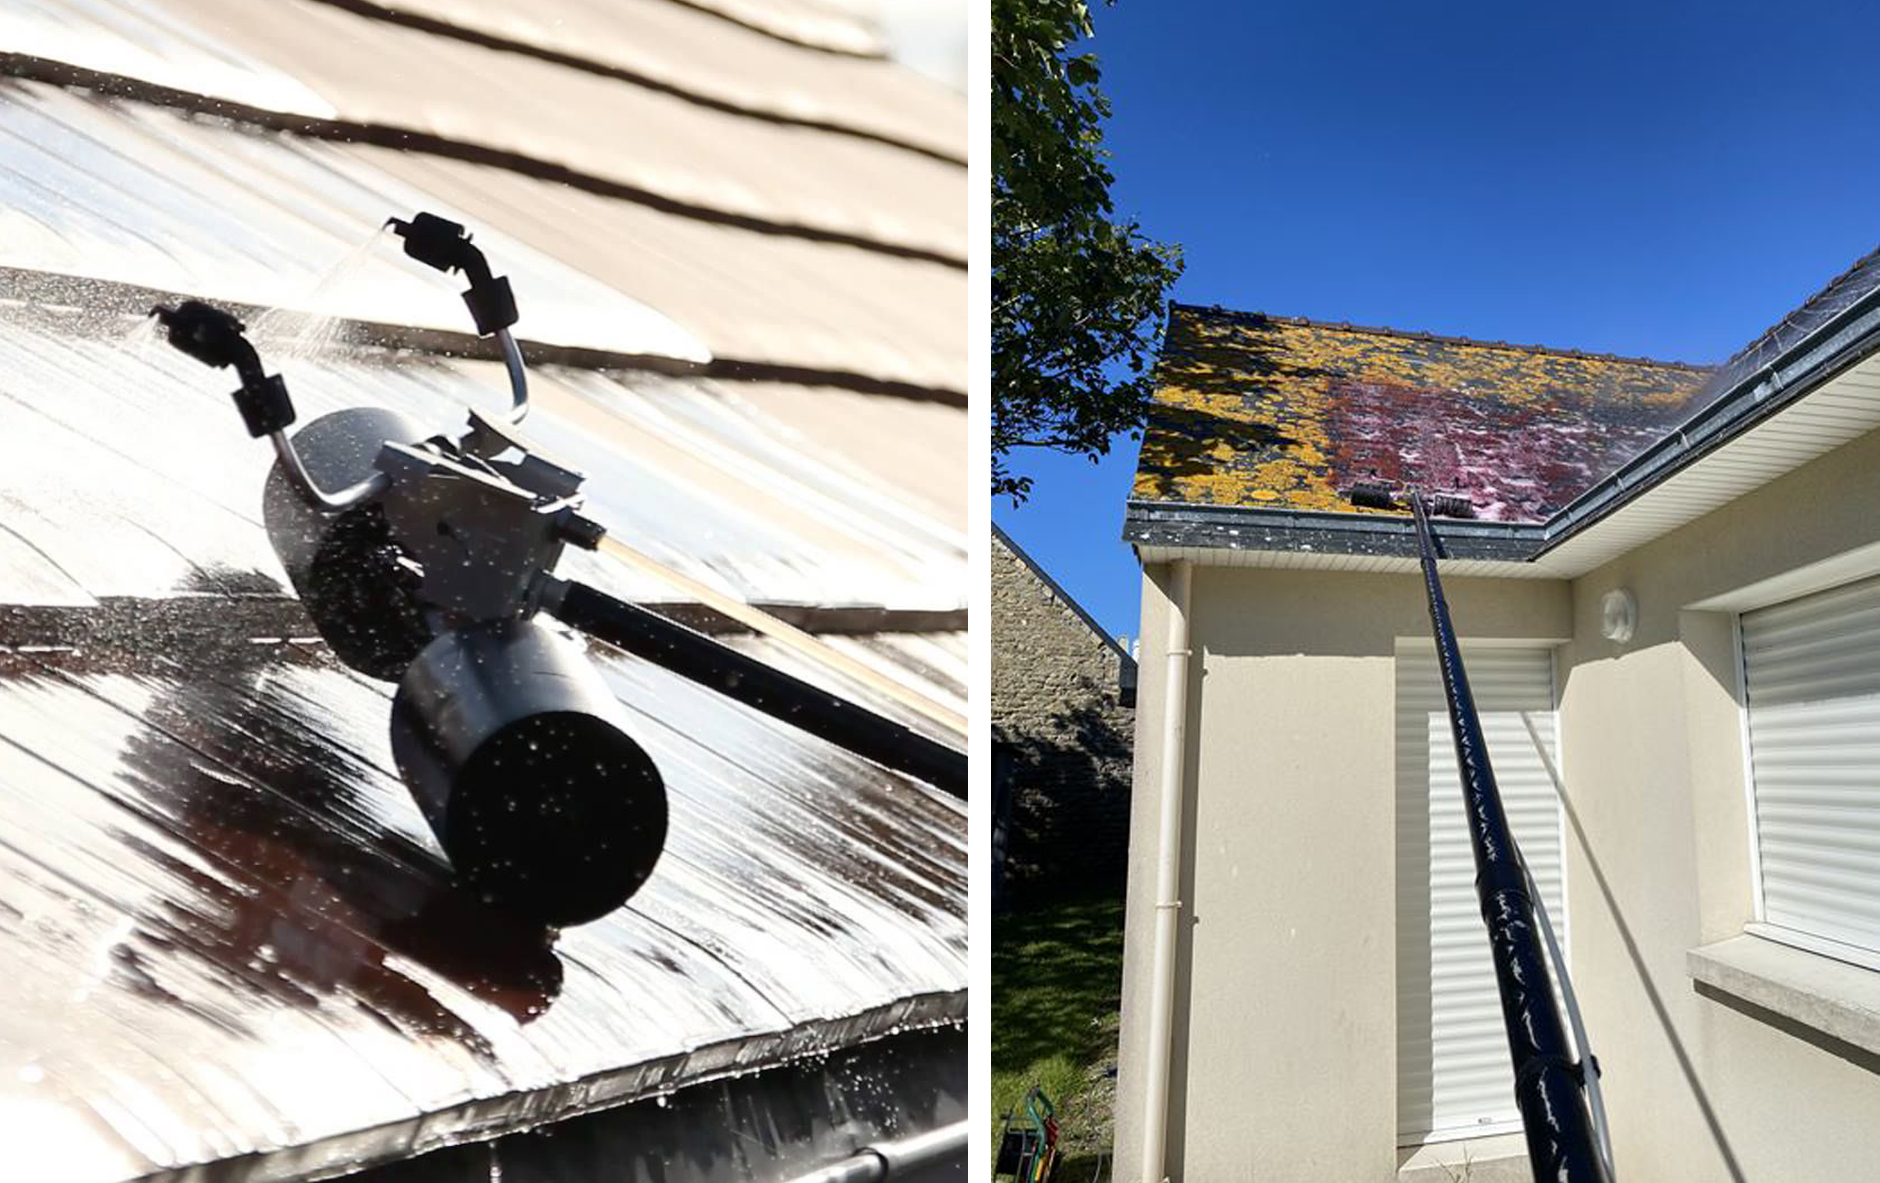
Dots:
{"x": 1547, "y": 1084}
{"x": 693, "y": 655}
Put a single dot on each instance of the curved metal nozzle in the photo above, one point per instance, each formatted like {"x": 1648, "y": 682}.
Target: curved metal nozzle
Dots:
{"x": 215, "y": 338}
{"x": 445, "y": 245}
{"x": 518, "y": 376}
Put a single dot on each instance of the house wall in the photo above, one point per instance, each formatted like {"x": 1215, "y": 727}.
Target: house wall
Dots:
{"x": 1659, "y": 841}
{"x": 1285, "y": 1025}
{"x": 1284, "y": 1064}
{"x": 1055, "y": 701}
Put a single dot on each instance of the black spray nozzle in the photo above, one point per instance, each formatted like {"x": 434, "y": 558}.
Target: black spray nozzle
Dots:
{"x": 445, "y": 245}
{"x": 435, "y": 242}
{"x": 214, "y": 338}
{"x": 206, "y": 333}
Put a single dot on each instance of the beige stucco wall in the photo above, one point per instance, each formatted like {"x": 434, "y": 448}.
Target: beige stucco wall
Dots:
{"x": 1652, "y": 745}
{"x": 1284, "y": 1064}
{"x": 1285, "y": 1028}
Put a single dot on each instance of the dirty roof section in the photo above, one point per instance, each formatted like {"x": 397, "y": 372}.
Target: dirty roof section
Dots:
{"x": 735, "y": 235}
{"x": 1273, "y": 412}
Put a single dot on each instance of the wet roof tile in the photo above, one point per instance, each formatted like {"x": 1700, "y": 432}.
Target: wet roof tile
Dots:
{"x": 114, "y": 190}
{"x": 107, "y": 190}
{"x": 232, "y": 933}
{"x": 233, "y": 937}
{"x": 698, "y": 53}
{"x": 674, "y": 153}
{"x": 745, "y": 295}
{"x": 141, "y": 476}
{"x": 1267, "y": 411}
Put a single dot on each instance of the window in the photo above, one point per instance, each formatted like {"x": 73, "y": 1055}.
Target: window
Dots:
{"x": 1811, "y": 676}
{"x": 1453, "y": 1075}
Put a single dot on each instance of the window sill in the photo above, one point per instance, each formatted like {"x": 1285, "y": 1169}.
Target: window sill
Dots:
{"x": 1808, "y": 990}
{"x": 1499, "y": 1158}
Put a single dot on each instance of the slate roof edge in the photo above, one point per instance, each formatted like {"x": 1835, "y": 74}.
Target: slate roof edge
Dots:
{"x": 481, "y": 1119}
{"x": 1057, "y": 589}
{"x": 1219, "y": 312}
{"x": 1804, "y": 362}
{"x": 1255, "y": 528}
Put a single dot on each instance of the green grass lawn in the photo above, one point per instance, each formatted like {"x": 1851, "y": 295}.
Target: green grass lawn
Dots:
{"x": 1056, "y": 983}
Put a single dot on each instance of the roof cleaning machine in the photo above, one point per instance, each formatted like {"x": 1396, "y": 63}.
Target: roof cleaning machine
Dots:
{"x": 1556, "y": 1087}
{"x": 425, "y": 559}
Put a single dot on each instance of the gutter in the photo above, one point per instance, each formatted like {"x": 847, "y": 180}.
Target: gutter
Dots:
{"x": 1224, "y": 527}
{"x": 1845, "y": 338}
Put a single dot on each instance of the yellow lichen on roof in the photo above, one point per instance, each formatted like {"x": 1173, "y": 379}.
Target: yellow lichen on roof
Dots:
{"x": 1255, "y": 410}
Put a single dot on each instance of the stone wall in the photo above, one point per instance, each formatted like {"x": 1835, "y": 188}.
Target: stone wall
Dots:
{"x": 1056, "y": 707}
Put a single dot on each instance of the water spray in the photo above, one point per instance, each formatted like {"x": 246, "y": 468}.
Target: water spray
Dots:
{"x": 425, "y": 559}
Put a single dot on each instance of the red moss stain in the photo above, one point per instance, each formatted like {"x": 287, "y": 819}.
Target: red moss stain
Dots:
{"x": 1515, "y": 463}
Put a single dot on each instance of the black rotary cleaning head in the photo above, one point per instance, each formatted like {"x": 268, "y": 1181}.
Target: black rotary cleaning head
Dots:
{"x": 1373, "y": 495}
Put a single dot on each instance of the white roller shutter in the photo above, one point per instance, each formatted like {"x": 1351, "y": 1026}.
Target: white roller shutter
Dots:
{"x": 1812, "y": 671}
{"x": 1453, "y": 1074}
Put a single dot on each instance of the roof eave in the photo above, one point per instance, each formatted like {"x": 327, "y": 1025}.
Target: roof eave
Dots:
{"x": 1258, "y": 528}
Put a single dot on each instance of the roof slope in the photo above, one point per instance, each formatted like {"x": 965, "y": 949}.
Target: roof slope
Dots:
{"x": 1265, "y": 411}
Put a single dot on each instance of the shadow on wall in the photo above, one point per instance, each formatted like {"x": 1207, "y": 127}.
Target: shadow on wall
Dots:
{"x": 1070, "y": 807}
{"x": 1653, "y": 998}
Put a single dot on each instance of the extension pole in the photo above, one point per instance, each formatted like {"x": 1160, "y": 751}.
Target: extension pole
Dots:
{"x": 738, "y": 676}
{"x": 1547, "y": 1085}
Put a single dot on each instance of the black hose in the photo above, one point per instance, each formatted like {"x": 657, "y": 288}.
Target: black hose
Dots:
{"x": 693, "y": 655}
{"x": 1547, "y": 1085}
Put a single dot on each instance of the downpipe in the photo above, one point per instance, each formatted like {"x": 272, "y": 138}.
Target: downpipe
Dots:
{"x": 1547, "y": 1085}
{"x": 1168, "y": 862}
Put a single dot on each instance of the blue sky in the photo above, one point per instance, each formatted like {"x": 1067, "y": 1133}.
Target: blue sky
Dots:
{"x": 1650, "y": 179}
